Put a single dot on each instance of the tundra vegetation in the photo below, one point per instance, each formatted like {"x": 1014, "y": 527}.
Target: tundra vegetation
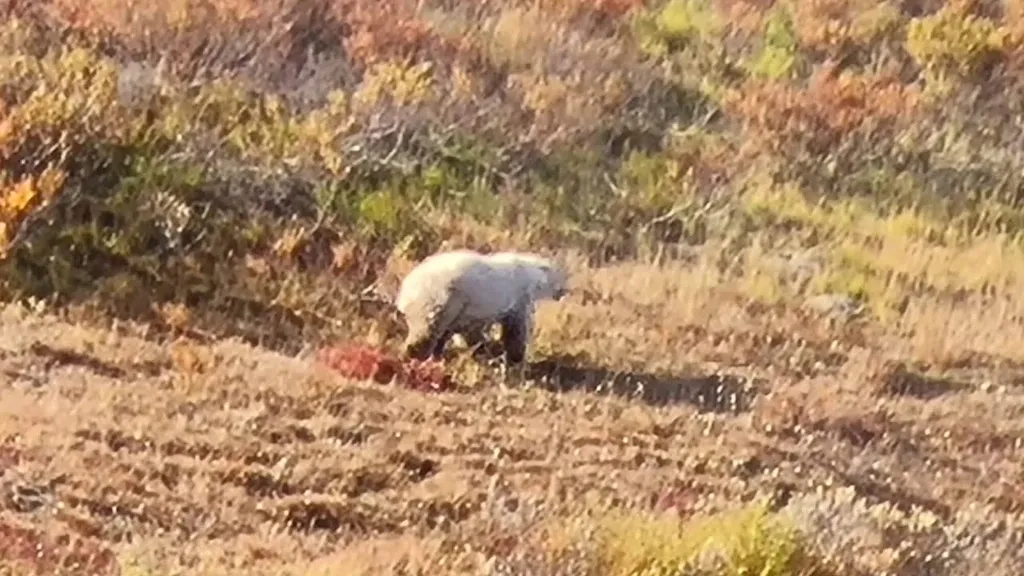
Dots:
{"x": 794, "y": 344}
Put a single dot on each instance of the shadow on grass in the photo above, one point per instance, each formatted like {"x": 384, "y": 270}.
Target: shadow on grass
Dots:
{"x": 718, "y": 393}
{"x": 900, "y": 380}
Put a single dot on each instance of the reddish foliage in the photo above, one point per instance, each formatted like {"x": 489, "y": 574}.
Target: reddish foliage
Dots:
{"x": 833, "y": 107}
{"x": 367, "y": 363}
{"x": 391, "y": 30}
{"x": 575, "y": 8}
{"x": 204, "y": 36}
{"x": 746, "y": 17}
{"x": 607, "y": 8}
{"x": 9, "y": 456}
{"x": 64, "y": 554}
{"x": 381, "y": 30}
{"x": 840, "y": 27}
{"x": 680, "y": 499}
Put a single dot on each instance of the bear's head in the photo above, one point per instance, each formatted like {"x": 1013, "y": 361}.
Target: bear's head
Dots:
{"x": 544, "y": 278}
{"x": 551, "y": 281}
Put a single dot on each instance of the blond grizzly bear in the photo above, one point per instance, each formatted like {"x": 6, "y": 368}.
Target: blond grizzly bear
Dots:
{"x": 465, "y": 292}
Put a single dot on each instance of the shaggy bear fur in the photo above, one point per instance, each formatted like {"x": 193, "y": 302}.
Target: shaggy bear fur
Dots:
{"x": 465, "y": 292}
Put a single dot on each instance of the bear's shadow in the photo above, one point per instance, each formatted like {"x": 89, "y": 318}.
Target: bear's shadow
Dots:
{"x": 718, "y": 393}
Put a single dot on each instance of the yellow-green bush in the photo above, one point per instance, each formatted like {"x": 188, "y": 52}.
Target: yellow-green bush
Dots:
{"x": 778, "y": 55}
{"x": 952, "y": 41}
{"x": 744, "y": 541}
{"x": 676, "y": 24}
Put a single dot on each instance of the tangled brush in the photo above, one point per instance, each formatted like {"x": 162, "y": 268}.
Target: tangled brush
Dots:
{"x": 363, "y": 362}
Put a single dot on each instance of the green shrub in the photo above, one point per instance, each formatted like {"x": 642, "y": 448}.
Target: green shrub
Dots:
{"x": 778, "y": 56}
{"x": 954, "y": 42}
{"x": 745, "y": 541}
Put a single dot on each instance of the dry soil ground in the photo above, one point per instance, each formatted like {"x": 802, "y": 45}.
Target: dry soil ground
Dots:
{"x": 223, "y": 458}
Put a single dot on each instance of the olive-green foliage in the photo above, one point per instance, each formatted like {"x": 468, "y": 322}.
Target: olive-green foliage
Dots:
{"x": 677, "y": 24}
{"x": 150, "y": 209}
{"x": 744, "y": 541}
{"x": 953, "y": 42}
{"x": 135, "y": 198}
{"x": 779, "y": 54}
{"x": 691, "y": 36}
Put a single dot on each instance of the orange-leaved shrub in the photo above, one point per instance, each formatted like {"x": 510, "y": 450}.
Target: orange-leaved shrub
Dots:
{"x": 834, "y": 107}
{"x": 20, "y": 199}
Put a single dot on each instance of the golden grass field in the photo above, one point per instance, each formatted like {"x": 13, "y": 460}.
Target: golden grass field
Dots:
{"x": 891, "y": 451}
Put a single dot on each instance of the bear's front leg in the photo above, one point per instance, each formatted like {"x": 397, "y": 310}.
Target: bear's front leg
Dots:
{"x": 439, "y": 345}
{"x": 426, "y": 338}
{"x": 439, "y": 329}
{"x": 516, "y": 328}
{"x": 419, "y": 344}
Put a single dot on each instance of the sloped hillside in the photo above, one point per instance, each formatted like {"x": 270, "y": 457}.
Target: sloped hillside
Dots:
{"x": 795, "y": 330}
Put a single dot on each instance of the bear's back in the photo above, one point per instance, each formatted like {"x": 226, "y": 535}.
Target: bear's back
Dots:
{"x": 435, "y": 276}
{"x": 541, "y": 275}
{"x": 488, "y": 287}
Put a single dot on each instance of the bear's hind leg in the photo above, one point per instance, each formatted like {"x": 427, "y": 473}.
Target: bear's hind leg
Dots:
{"x": 473, "y": 335}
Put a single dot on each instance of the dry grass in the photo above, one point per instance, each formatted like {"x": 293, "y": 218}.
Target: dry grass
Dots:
{"x": 217, "y": 458}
